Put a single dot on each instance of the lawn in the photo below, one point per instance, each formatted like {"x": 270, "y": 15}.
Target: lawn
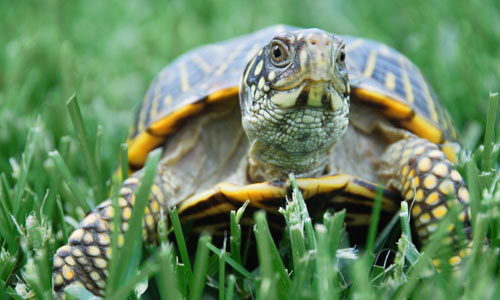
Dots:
{"x": 107, "y": 52}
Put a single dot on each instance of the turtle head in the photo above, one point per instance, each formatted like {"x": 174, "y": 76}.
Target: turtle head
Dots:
{"x": 294, "y": 97}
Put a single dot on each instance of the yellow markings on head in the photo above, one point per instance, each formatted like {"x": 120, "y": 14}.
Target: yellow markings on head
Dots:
{"x": 258, "y": 68}
{"x": 432, "y": 198}
{"x": 424, "y": 165}
{"x": 430, "y": 182}
{"x": 337, "y": 102}
{"x": 261, "y": 83}
{"x": 303, "y": 57}
{"x": 287, "y": 99}
{"x": 440, "y": 169}
{"x": 67, "y": 273}
{"x": 315, "y": 93}
{"x": 184, "y": 77}
{"x": 439, "y": 212}
{"x": 271, "y": 76}
{"x": 390, "y": 81}
{"x": 370, "y": 64}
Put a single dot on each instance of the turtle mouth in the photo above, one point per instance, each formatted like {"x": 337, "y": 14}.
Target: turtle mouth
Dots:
{"x": 315, "y": 94}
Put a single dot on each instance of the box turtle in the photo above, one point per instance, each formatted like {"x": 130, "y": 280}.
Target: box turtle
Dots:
{"x": 236, "y": 117}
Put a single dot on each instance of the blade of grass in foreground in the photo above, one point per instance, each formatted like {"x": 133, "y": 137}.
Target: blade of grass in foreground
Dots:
{"x": 200, "y": 268}
{"x": 133, "y": 234}
{"x": 486, "y": 163}
{"x": 88, "y": 155}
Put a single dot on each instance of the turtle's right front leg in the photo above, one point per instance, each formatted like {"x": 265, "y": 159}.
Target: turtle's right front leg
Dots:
{"x": 84, "y": 260}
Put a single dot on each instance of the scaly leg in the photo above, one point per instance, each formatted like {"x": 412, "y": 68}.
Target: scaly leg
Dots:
{"x": 83, "y": 261}
{"x": 428, "y": 181}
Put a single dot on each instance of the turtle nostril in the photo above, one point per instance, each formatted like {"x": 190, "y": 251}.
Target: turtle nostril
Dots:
{"x": 313, "y": 42}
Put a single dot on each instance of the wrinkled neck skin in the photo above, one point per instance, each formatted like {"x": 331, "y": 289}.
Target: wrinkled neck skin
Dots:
{"x": 267, "y": 163}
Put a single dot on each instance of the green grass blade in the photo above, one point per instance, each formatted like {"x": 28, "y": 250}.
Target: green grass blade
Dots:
{"x": 88, "y": 155}
{"x": 486, "y": 163}
{"x": 70, "y": 181}
{"x": 167, "y": 281}
{"x": 222, "y": 274}
{"x": 124, "y": 160}
{"x": 374, "y": 220}
{"x": 325, "y": 288}
{"x": 60, "y": 215}
{"x": 197, "y": 283}
{"x": 405, "y": 220}
{"x": 311, "y": 238}
{"x": 231, "y": 280}
{"x": 270, "y": 261}
{"x": 181, "y": 243}
{"x": 133, "y": 234}
{"x": 97, "y": 151}
{"x": 25, "y": 165}
{"x": 232, "y": 262}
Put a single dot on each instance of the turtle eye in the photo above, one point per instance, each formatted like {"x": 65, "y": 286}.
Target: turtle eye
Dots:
{"x": 279, "y": 54}
{"x": 341, "y": 56}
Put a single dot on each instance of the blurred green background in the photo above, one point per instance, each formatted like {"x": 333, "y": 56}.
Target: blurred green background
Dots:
{"x": 108, "y": 51}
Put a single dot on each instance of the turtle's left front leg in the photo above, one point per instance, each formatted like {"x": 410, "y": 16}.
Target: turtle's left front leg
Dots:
{"x": 424, "y": 176}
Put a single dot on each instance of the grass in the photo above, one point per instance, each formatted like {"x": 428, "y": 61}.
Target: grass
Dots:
{"x": 108, "y": 52}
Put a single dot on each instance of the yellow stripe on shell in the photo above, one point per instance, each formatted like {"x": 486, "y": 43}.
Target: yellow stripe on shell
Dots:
{"x": 406, "y": 81}
{"x": 370, "y": 64}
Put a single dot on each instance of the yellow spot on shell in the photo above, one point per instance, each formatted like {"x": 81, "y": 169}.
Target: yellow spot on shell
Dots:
{"x": 424, "y": 165}
{"x": 432, "y": 198}
{"x": 430, "y": 182}
{"x": 439, "y": 212}
{"x": 390, "y": 81}
{"x": 370, "y": 64}
{"x": 440, "y": 169}
{"x": 67, "y": 273}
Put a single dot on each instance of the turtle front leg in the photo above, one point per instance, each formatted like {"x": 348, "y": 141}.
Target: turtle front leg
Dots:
{"x": 84, "y": 260}
{"x": 428, "y": 181}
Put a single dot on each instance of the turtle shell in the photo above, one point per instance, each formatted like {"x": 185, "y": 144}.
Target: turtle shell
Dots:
{"x": 380, "y": 77}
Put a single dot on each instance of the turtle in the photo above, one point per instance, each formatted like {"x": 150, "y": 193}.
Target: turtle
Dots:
{"x": 345, "y": 115}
